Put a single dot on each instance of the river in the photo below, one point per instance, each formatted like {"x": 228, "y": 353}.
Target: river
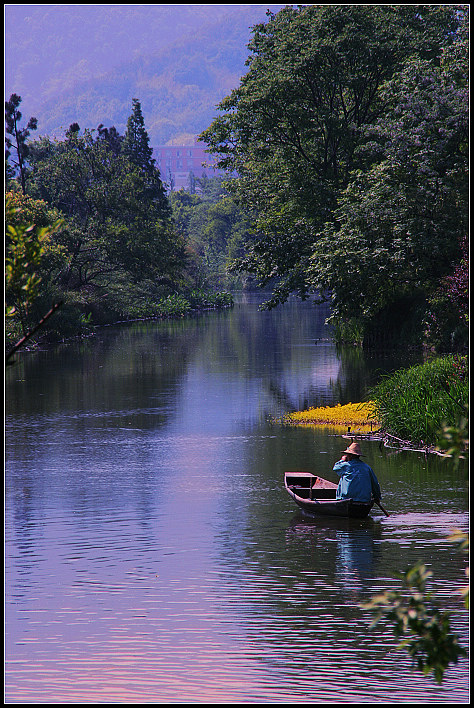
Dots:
{"x": 152, "y": 553}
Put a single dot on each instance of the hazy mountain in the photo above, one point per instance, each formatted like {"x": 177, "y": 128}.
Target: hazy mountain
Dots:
{"x": 85, "y": 63}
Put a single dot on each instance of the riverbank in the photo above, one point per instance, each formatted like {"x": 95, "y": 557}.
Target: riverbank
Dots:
{"x": 422, "y": 409}
{"x": 64, "y": 326}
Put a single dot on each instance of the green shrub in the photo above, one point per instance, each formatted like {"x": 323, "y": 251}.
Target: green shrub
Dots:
{"x": 204, "y": 298}
{"x": 173, "y": 306}
{"x": 416, "y": 403}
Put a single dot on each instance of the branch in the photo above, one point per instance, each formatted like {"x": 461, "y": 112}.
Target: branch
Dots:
{"x": 32, "y": 332}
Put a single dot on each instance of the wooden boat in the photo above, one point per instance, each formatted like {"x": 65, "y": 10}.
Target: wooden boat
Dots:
{"x": 317, "y": 496}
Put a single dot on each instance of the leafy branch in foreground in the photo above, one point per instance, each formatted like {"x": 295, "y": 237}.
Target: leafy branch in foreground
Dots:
{"x": 27, "y": 248}
{"x": 425, "y": 630}
{"x": 454, "y": 439}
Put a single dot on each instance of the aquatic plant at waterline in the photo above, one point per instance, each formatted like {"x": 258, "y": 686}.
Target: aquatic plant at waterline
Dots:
{"x": 362, "y": 415}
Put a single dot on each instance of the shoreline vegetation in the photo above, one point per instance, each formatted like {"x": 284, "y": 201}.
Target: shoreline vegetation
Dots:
{"x": 422, "y": 409}
{"x": 345, "y": 416}
{"x": 171, "y": 307}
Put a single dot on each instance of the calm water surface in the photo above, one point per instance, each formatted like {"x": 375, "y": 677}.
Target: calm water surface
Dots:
{"x": 152, "y": 554}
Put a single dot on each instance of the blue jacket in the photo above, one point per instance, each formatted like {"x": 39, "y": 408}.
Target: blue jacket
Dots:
{"x": 357, "y": 481}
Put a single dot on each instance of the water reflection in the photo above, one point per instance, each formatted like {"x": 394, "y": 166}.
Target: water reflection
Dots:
{"x": 356, "y": 548}
{"x": 152, "y": 552}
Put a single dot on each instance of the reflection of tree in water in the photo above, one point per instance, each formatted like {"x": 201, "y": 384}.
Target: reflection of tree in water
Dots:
{"x": 361, "y": 368}
{"x": 80, "y": 412}
{"x": 124, "y": 371}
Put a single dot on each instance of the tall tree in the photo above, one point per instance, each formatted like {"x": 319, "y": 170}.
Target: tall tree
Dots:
{"x": 17, "y": 141}
{"x": 136, "y": 144}
{"x": 293, "y": 129}
{"x": 114, "y": 225}
{"x": 398, "y": 225}
{"x": 136, "y": 147}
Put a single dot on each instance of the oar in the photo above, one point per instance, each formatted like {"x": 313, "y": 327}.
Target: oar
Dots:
{"x": 380, "y": 505}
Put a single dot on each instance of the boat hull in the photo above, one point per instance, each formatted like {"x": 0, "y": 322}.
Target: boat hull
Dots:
{"x": 317, "y": 497}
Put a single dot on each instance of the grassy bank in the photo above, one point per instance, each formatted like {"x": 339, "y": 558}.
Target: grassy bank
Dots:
{"x": 417, "y": 403}
{"x": 175, "y": 305}
{"x": 423, "y": 405}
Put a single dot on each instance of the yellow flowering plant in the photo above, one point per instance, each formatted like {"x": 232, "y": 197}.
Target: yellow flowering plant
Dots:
{"x": 361, "y": 415}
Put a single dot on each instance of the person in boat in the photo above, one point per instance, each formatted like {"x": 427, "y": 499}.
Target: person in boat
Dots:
{"x": 357, "y": 479}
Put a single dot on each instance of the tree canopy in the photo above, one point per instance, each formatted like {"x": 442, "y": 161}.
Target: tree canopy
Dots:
{"x": 398, "y": 225}
{"x": 118, "y": 214}
{"x": 95, "y": 229}
{"x": 349, "y": 138}
{"x": 16, "y": 139}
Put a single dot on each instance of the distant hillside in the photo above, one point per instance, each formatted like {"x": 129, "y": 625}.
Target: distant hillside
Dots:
{"x": 85, "y": 63}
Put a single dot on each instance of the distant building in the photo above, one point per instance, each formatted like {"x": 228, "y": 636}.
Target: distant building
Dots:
{"x": 180, "y": 165}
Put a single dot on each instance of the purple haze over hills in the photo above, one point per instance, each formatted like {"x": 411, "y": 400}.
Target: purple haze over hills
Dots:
{"x": 85, "y": 63}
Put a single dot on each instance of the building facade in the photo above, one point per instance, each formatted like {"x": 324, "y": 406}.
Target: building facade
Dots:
{"x": 180, "y": 165}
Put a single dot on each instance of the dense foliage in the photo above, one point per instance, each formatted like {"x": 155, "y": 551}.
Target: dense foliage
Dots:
{"x": 415, "y": 404}
{"x": 447, "y": 317}
{"x": 349, "y": 135}
{"x": 31, "y": 254}
{"x": 96, "y": 232}
{"x": 214, "y": 228}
